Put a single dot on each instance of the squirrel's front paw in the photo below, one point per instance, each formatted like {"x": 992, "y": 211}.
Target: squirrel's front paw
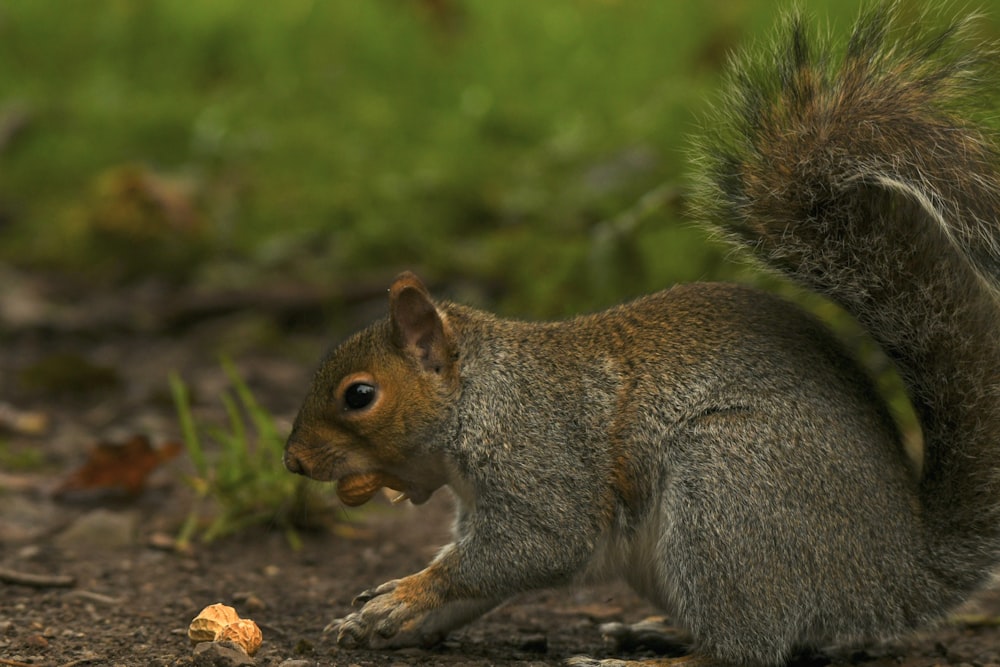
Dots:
{"x": 388, "y": 619}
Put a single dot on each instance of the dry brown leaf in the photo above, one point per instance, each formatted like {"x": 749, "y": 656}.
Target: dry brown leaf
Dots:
{"x": 117, "y": 469}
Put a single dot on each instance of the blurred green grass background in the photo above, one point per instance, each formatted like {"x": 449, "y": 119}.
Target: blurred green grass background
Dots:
{"x": 507, "y": 143}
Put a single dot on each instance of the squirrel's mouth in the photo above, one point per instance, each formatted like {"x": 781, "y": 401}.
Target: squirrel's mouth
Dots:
{"x": 358, "y": 488}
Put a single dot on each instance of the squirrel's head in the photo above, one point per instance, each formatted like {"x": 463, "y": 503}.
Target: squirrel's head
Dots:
{"x": 379, "y": 400}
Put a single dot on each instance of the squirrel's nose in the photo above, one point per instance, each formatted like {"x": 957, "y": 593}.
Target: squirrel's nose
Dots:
{"x": 293, "y": 464}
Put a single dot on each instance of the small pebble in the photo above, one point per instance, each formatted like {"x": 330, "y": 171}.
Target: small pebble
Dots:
{"x": 100, "y": 529}
{"x": 249, "y": 600}
{"x": 221, "y": 654}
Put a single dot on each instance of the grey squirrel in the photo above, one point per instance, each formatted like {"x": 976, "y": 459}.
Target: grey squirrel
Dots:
{"x": 713, "y": 444}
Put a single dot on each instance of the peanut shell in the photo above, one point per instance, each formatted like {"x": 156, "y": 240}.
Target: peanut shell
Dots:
{"x": 357, "y": 489}
{"x": 210, "y": 621}
{"x": 244, "y": 633}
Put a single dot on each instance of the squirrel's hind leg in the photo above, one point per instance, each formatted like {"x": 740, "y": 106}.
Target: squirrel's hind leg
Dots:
{"x": 654, "y": 633}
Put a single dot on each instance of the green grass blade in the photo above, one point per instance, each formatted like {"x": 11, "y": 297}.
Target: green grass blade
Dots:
{"x": 189, "y": 432}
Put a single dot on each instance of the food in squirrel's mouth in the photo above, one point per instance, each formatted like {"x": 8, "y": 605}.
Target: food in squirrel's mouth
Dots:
{"x": 357, "y": 489}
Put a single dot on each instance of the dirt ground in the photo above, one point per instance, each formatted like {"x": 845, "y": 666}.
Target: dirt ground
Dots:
{"x": 127, "y": 599}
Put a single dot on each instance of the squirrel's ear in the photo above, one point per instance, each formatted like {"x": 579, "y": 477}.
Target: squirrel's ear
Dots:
{"x": 417, "y": 326}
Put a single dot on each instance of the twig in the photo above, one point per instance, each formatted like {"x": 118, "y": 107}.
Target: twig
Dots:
{"x": 14, "y": 663}
{"x": 96, "y": 597}
{"x": 36, "y": 580}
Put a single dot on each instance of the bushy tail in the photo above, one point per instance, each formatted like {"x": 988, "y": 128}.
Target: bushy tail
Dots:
{"x": 866, "y": 178}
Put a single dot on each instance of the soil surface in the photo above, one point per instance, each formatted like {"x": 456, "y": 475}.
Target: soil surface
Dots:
{"x": 117, "y": 594}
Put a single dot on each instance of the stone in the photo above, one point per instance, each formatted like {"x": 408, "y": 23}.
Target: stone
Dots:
{"x": 221, "y": 654}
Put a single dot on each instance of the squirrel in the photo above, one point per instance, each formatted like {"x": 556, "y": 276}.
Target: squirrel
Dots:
{"x": 714, "y": 444}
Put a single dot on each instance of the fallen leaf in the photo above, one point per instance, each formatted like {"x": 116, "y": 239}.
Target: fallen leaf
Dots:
{"x": 116, "y": 469}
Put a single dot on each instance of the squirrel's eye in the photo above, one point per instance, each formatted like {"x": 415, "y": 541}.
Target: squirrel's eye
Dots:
{"x": 359, "y": 395}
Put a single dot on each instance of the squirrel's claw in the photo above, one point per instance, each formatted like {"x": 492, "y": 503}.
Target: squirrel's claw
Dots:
{"x": 333, "y": 626}
{"x": 382, "y": 622}
{"x": 356, "y": 629}
{"x": 347, "y": 635}
{"x": 351, "y": 631}
{"x": 365, "y": 596}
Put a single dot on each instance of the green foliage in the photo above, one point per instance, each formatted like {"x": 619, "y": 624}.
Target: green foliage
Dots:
{"x": 334, "y": 140}
{"x": 241, "y": 481}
